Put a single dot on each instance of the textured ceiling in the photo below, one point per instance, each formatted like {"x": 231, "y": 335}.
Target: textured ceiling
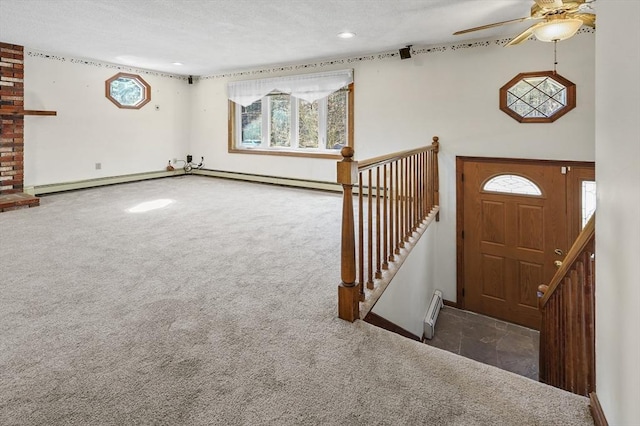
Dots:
{"x": 214, "y": 36}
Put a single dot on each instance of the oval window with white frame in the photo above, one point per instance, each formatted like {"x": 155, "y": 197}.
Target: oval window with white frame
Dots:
{"x": 512, "y": 184}
{"x": 128, "y": 91}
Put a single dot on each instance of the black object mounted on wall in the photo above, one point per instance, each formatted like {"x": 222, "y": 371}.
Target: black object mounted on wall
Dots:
{"x": 405, "y": 52}
{"x": 190, "y": 79}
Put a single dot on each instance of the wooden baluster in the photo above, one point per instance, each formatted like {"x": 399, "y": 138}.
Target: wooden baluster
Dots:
{"x": 580, "y": 371}
{"x": 396, "y": 244}
{"x": 555, "y": 380}
{"x": 425, "y": 189}
{"x": 570, "y": 361}
{"x": 378, "y": 234}
{"x": 419, "y": 215}
{"x": 427, "y": 202}
{"x": 370, "y": 231}
{"x": 545, "y": 376}
{"x": 590, "y": 318}
{"x": 348, "y": 298}
{"x": 559, "y": 332}
{"x": 414, "y": 192}
{"x": 430, "y": 183}
{"x": 436, "y": 179}
{"x": 407, "y": 201}
{"x": 419, "y": 180}
{"x": 575, "y": 331}
{"x": 556, "y": 354}
{"x": 542, "y": 362}
{"x": 411, "y": 216}
{"x": 361, "y": 238}
{"x": 545, "y": 343}
{"x": 385, "y": 218}
{"x": 432, "y": 190}
{"x": 565, "y": 330}
{"x": 400, "y": 205}
{"x": 392, "y": 221}
{"x": 407, "y": 197}
{"x": 423, "y": 181}
{"x": 427, "y": 177}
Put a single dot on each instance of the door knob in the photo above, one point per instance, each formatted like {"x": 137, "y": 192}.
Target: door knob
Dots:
{"x": 558, "y": 252}
{"x": 558, "y": 263}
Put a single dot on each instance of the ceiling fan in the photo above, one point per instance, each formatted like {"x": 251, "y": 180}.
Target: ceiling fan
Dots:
{"x": 560, "y": 20}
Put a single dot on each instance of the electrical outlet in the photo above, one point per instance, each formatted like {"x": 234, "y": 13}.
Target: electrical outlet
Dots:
{"x": 98, "y": 166}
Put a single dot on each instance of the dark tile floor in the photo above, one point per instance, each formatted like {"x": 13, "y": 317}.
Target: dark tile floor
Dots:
{"x": 488, "y": 340}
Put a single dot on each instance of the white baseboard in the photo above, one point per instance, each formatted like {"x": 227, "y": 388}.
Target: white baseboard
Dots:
{"x": 298, "y": 183}
{"x": 92, "y": 183}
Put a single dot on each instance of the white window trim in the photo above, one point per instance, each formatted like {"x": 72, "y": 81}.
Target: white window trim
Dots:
{"x": 323, "y": 110}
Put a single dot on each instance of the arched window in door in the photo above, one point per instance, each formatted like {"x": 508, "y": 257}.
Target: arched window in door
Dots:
{"x": 511, "y": 184}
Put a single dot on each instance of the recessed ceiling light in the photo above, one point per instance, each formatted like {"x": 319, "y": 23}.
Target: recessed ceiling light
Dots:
{"x": 177, "y": 63}
{"x": 346, "y": 34}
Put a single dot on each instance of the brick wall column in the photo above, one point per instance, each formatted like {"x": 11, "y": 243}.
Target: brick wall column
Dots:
{"x": 12, "y": 130}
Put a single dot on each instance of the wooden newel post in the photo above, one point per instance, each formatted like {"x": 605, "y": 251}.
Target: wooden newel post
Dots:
{"x": 348, "y": 295}
{"x": 436, "y": 181}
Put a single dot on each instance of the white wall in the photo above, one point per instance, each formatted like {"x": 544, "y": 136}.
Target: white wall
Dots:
{"x": 402, "y": 104}
{"x": 618, "y": 214}
{"x": 406, "y": 300}
{"x": 90, "y": 129}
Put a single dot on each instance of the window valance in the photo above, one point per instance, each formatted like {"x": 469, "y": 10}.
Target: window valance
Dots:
{"x": 309, "y": 87}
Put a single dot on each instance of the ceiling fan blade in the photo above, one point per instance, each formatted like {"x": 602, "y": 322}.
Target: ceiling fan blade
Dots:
{"x": 549, "y": 4}
{"x": 497, "y": 24}
{"x": 588, "y": 19}
{"x": 523, "y": 36}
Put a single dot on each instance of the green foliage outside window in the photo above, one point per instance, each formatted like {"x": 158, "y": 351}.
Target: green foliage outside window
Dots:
{"x": 295, "y": 123}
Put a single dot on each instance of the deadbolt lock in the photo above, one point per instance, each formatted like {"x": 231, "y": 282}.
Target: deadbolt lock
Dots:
{"x": 558, "y": 252}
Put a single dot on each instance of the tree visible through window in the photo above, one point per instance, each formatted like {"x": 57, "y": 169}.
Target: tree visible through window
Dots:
{"x": 128, "y": 91}
{"x": 252, "y": 124}
{"x": 308, "y": 123}
{"x": 280, "y": 120}
{"x": 283, "y": 123}
{"x": 538, "y": 97}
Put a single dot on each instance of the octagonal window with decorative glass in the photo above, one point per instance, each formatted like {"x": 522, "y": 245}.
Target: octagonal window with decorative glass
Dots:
{"x": 538, "y": 97}
{"x": 128, "y": 91}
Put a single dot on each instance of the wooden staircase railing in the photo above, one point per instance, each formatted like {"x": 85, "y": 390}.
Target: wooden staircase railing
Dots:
{"x": 567, "y": 333}
{"x": 396, "y": 194}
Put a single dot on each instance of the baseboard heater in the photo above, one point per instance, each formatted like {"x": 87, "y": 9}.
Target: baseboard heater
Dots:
{"x": 432, "y": 314}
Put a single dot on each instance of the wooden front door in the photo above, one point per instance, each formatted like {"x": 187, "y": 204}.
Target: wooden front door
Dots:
{"x": 514, "y": 229}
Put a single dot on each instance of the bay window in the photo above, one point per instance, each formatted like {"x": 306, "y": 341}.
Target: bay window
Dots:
{"x": 308, "y": 115}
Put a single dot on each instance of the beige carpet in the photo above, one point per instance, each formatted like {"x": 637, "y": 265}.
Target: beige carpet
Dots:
{"x": 219, "y": 308}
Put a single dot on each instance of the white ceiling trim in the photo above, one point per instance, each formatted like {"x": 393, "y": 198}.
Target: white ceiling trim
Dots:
{"x": 392, "y": 54}
{"x": 106, "y": 65}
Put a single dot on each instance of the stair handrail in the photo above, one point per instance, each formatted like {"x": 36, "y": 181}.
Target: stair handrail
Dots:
{"x": 404, "y": 187}
{"x": 579, "y": 245}
{"x": 567, "y": 308}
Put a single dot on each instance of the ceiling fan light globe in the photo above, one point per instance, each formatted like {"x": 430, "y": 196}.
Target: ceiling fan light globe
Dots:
{"x": 557, "y": 30}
